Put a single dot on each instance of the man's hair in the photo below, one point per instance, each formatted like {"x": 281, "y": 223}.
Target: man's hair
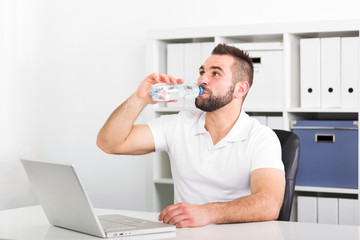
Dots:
{"x": 243, "y": 69}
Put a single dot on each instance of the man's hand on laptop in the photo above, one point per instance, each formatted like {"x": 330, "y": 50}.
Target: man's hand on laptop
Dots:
{"x": 185, "y": 215}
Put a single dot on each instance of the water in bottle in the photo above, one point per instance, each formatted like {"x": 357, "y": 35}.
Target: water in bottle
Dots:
{"x": 167, "y": 92}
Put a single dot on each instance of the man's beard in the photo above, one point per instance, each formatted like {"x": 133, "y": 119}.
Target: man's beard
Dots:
{"x": 213, "y": 103}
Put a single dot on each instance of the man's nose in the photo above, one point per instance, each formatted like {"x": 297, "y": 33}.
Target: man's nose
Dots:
{"x": 202, "y": 80}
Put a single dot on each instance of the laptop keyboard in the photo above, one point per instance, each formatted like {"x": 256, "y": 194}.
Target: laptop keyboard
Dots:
{"x": 114, "y": 226}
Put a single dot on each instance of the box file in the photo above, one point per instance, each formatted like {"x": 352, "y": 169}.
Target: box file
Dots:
{"x": 310, "y": 73}
{"x": 267, "y": 87}
{"x": 348, "y": 211}
{"x": 275, "y": 122}
{"x": 206, "y": 49}
{"x": 183, "y": 61}
{"x": 175, "y": 60}
{"x": 330, "y": 65}
{"x": 330, "y": 72}
{"x": 192, "y": 62}
{"x": 176, "y": 66}
{"x": 350, "y": 72}
{"x": 307, "y": 209}
{"x": 328, "y": 153}
{"x": 261, "y": 119}
{"x": 327, "y": 210}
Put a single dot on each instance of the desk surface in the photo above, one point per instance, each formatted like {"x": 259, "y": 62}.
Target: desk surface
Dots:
{"x": 31, "y": 223}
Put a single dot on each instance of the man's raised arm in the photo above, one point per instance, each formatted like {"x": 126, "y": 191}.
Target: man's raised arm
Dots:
{"x": 119, "y": 135}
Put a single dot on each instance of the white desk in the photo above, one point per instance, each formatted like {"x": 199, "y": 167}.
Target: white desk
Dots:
{"x": 31, "y": 223}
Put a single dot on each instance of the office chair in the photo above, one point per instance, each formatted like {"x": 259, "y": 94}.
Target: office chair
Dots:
{"x": 290, "y": 146}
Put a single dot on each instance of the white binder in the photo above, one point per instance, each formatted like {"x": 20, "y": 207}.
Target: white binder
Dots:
{"x": 192, "y": 62}
{"x": 206, "y": 49}
{"x": 267, "y": 88}
{"x": 310, "y": 91}
{"x": 175, "y": 66}
{"x": 184, "y": 61}
{"x": 192, "y": 57}
{"x": 348, "y": 211}
{"x": 175, "y": 60}
{"x": 307, "y": 209}
{"x": 327, "y": 210}
{"x": 350, "y": 72}
{"x": 275, "y": 122}
{"x": 330, "y": 72}
{"x": 261, "y": 119}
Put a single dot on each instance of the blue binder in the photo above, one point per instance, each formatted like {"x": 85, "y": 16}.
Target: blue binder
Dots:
{"x": 328, "y": 153}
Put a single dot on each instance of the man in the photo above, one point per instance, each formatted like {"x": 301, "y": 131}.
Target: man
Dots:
{"x": 226, "y": 166}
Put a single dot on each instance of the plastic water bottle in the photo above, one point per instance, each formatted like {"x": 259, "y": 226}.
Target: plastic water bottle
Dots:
{"x": 166, "y": 92}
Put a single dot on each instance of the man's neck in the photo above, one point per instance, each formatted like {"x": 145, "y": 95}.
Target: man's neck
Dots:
{"x": 220, "y": 122}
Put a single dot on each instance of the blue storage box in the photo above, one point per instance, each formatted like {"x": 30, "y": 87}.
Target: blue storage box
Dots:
{"x": 328, "y": 153}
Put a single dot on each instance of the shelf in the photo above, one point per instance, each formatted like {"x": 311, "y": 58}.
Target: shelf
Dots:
{"x": 326, "y": 190}
{"x": 261, "y": 32}
{"x": 297, "y": 188}
{"x": 178, "y": 109}
{"x": 323, "y": 110}
{"x": 284, "y": 37}
{"x": 263, "y": 110}
{"x": 163, "y": 181}
{"x": 291, "y": 110}
{"x": 323, "y": 114}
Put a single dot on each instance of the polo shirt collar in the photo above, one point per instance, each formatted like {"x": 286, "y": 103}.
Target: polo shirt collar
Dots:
{"x": 239, "y": 131}
{"x": 200, "y": 127}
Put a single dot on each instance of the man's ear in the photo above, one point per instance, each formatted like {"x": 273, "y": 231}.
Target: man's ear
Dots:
{"x": 241, "y": 89}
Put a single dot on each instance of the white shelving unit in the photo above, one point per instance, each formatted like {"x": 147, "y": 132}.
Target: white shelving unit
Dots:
{"x": 288, "y": 35}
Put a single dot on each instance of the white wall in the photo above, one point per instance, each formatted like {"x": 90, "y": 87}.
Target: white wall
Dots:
{"x": 15, "y": 102}
{"x": 66, "y": 64}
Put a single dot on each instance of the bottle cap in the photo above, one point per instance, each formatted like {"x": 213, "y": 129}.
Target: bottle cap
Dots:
{"x": 201, "y": 90}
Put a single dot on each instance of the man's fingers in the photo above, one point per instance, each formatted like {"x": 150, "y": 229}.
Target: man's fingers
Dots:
{"x": 167, "y": 210}
{"x": 162, "y": 77}
{"x": 172, "y": 217}
{"x": 175, "y": 220}
{"x": 155, "y": 77}
{"x": 184, "y": 215}
{"x": 172, "y": 80}
{"x": 179, "y": 80}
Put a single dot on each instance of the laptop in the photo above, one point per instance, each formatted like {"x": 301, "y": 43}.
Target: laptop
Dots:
{"x": 66, "y": 204}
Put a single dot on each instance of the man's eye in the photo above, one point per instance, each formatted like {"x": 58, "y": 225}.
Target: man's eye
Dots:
{"x": 216, "y": 74}
{"x": 201, "y": 73}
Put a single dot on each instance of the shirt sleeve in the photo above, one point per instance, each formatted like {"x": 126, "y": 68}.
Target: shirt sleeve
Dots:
{"x": 160, "y": 129}
{"x": 266, "y": 151}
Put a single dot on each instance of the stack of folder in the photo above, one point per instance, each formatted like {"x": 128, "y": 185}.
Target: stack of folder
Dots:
{"x": 273, "y": 122}
{"x": 329, "y": 72}
{"x": 327, "y": 210}
{"x": 183, "y": 61}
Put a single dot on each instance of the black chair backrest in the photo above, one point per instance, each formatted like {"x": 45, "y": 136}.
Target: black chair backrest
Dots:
{"x": 290, "y": 146}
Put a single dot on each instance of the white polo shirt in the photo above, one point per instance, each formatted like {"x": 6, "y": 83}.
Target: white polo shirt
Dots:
{"x": 204, "y": 172}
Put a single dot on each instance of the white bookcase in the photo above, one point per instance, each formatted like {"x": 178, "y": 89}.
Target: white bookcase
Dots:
{"x": 284, "y": 37}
